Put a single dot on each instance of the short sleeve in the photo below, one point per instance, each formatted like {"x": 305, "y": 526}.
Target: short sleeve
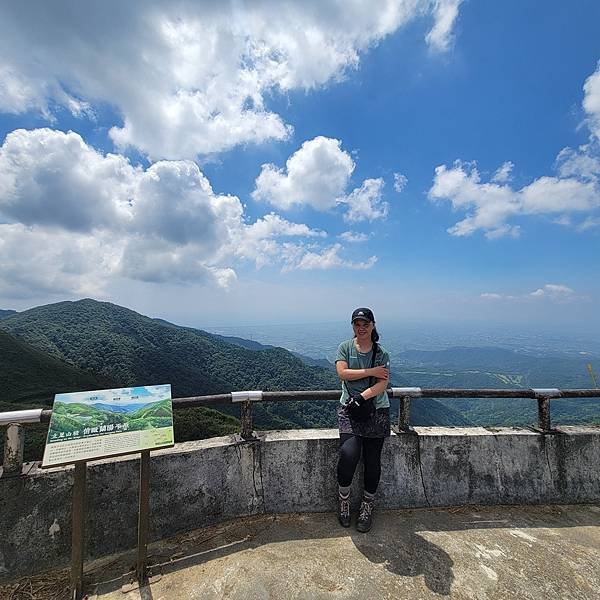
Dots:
{"x": 342, "y": 352}
{"x": 383, "y": 359}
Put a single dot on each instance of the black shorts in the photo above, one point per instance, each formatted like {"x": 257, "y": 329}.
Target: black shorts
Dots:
{"x": 378, "y": 426}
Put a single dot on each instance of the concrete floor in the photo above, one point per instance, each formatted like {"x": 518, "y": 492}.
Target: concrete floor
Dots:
{"x": 537, "y": 552}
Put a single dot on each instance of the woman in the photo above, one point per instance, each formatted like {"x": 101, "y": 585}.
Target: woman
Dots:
{"x": 364, "y": 415}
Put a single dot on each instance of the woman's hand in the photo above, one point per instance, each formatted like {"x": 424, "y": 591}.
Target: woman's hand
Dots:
{"x": 380, "y": 372}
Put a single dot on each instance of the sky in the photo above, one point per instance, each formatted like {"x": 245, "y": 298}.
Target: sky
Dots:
{"x": 221, "y": 163}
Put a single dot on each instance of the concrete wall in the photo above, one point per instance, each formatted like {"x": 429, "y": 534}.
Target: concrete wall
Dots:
{"x": 201, "y": 483}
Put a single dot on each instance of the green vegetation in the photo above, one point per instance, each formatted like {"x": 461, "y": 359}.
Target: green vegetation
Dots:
{"x": 131, "y": 349}
{"x": 28, "y": 375}
{"x": 75, "y": 418}
{"x": 500, "y": 368}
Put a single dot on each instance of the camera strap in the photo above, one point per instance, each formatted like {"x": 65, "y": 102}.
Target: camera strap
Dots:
{"x": 374, "y": 349}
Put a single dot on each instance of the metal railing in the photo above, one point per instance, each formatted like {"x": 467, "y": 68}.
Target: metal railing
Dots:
{"x": 15, "y": 421}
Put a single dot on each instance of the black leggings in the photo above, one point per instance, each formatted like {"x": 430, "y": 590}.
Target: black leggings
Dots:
{"x": 350, "y": 449}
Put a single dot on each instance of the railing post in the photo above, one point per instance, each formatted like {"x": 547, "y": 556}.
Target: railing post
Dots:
{"x": 543, "y": 396}
{"x": 246, "y": 399}
{"x": 544, "y": 414}
{"x": 14, "y": 445}
{"x": 405, "y": 394}
{"x": 404, "y": 414}
{"x": 246, "y": 419}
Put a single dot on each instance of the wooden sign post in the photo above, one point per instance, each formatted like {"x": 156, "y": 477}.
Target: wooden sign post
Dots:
{"x": 102, "y": 424}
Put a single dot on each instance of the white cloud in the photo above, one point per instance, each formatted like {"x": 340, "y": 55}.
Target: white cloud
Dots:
{"x": 202, "y": 71}
{"x": 400, "y": 182}
{"x": 273, "y": 225}
{"x": 583, "y": 163}
{"x": 491, "y": 205}
{"x": 75, "y": 219}
{"x": 503, "y": 174}
{"x": 353, "y": 237}
{"x": 365, "y": 203}
{"x": 556, "y": 293}
{"x": 440, "y": 37}
{"x": 55, "y": 179}
{"x": 591, "y": 101}
{"x": 40, "y": 261}
{"x": 589, "y": 223}
{"x": 325, "y": 260}
{"x": 315, "y": 175}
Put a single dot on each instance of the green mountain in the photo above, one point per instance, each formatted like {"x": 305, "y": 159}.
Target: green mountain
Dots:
{"x": 29, "y": 375}
{"x": 30, "y": 378}
{"x": 6, "y": 313}
{"x": 129, "y": 349}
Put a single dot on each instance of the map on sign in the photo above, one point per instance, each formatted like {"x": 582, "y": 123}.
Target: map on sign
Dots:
{"x": 103, "y": 423}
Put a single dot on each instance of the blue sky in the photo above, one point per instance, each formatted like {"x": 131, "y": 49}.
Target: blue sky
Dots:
{"x": 252, "y": 162}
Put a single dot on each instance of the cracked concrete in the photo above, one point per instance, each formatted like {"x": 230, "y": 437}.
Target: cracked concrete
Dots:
{"x": 469, "y": 553}
{"x": 200, "y": 484}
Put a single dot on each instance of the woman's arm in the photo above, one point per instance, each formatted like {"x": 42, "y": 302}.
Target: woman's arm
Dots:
{"x": 375, "y": 390}
{"x": 346, "y": 374}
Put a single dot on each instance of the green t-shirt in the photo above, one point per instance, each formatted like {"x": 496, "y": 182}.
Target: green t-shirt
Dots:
{"x": 348, "y": 352}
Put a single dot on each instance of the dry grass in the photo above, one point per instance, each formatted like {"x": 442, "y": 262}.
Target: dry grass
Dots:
{"x": 48, "y": 586}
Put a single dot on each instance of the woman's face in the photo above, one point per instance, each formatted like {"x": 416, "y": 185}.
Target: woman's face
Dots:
{"x": 362, "y": 329}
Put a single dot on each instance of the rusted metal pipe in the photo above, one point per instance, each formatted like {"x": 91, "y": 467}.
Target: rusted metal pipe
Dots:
{"x": 543, "y": 396}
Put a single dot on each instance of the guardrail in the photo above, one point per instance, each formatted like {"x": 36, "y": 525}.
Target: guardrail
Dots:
{"x": 15, "y": 421}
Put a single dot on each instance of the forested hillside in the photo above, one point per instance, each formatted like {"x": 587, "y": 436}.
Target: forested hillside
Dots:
{"x": 130, "y": 349}
{"x": 489, "y": 367}
{"x": 30, "y": 378}
{"x": 120, "y": 347}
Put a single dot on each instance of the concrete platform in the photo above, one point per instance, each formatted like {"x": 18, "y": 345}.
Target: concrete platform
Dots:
{"x": 534, "y": 552}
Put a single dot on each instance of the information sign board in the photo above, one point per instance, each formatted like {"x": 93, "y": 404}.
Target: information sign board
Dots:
{"x": 103, "y": 423}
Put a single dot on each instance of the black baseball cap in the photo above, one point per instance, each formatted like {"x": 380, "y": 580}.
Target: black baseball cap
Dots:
{"x": 366, "y": 314}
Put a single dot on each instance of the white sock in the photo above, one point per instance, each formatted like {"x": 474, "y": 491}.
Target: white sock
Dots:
{"x": 344, "y": 491}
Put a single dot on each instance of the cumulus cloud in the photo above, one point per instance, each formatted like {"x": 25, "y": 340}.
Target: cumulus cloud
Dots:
{"x": 440, "y": 37}
{"x": 203, "y": 71}
{"x": 315, "y": 175}
{"x": 583, "y": 163}
{"x": 326, "y": 259}
{"x": 400, "y": 182}
{"x": 365, "y": 203}
{"x": 52, "y": 178}
{"x": 490, "y": 205}
{"x": 72, "y": 218}
{"x": 34, "y": 260}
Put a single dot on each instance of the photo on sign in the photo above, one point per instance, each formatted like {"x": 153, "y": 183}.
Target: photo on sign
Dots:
{"x": 99, "y": 423}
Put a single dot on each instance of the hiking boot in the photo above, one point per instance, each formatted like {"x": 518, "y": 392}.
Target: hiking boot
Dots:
{"x": 365, "y": 515}
{"x": 344, "y": 510}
